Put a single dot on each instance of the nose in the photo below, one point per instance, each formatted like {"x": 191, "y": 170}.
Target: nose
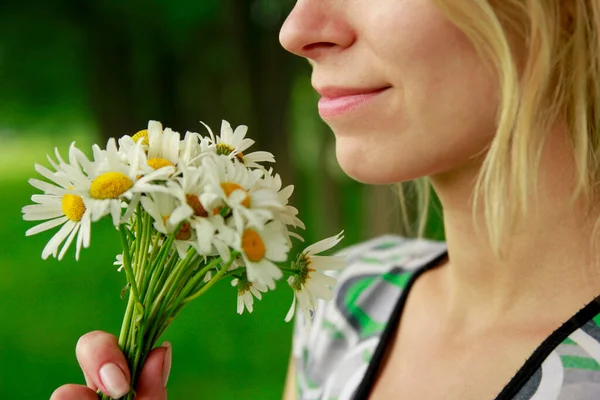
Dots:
{"x": 315, "y": 28}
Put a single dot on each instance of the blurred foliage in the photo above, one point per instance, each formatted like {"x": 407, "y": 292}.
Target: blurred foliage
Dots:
{"x": 89, "y": 70}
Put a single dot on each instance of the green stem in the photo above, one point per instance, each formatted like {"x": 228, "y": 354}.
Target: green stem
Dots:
{"x": 210, "y": 283}
{"x": 127, "y": 263}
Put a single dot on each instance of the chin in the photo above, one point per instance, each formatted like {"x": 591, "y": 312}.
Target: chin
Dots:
{"x": 366, "y": 168}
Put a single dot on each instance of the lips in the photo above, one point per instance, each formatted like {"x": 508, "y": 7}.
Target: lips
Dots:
{"x": 338, "y": 100}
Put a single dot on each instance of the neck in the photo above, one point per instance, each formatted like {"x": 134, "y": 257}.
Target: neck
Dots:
{"x": 547, "y": 263}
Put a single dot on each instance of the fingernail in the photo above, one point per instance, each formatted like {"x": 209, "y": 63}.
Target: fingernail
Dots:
{"x": 167, "y": 363}
{"x": 114, "y": 380}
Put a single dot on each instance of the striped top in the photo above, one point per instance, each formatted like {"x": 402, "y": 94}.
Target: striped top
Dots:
{"x": 338, "y": 358}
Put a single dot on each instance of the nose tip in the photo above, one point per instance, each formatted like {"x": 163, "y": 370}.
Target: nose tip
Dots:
{"x": 312, "y": 28}
{"x": 290, "y": 36}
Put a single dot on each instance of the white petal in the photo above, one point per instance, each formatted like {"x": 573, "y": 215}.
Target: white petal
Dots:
{"x": 328, "y": 263}
{"x": 131, "y": 207}
{"x": 204, "y": 233}
{"x": 316, "y": 277}
{"x": 80, "y": 238}
{"x": 47, "y": 187}
{"x": 115, "y": 212}
{"x": 42, "y": 215}
{"x": 45, "y": 226}
{"x": 320, "y": 291}
{"x": 256, "y": 157}
{"x": 255, "y": 292}
{"x": 324, "y": 244}
{"x": 99, "y": 209}
{"x": 52, "y": 176}
{"x": 223, "y": 249}
{"x": 180, "y": 213}
{"x": 57, "y": 239}
{"x": 240, "y": 305}
{"x": 86, "y": 229}
{"x": 210, "y": 132}
{"x": 45, "y": 199}
{"x": 68, "y": 241}
{"x": 249, "y": 301}
{"x": 182, "y": 248}
{"x": 290, "y": 313}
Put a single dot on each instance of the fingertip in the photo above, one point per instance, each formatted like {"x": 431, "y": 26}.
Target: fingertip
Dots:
{"x": 151, "y": 383}
{"x": 73, "y": 392}
{"x": 103, "y": 363}
{"x": 168, "y": 357}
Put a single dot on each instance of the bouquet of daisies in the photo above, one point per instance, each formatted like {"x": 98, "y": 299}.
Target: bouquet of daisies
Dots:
{"x": 190, "y": 212}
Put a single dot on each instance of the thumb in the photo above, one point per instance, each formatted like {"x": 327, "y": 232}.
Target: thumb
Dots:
{"x": 155, "y": 373}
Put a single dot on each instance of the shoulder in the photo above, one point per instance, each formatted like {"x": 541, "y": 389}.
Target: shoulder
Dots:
{"x": 334, "y": 352}
{"x": 380, "y": 254}
{"x": 567, "y": 364}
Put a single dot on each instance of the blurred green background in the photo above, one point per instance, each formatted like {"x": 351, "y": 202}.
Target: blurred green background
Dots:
{"x": 83, "y": 70}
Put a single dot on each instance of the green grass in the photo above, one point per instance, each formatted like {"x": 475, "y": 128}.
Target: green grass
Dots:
{"x": 48, "y": 305}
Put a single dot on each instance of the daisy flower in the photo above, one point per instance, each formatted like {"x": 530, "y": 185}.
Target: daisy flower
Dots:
{"x": 233, "y": 186}
{"x": 310, "y": 284}
{"x": 161, "y": 147}
{"x": 193, "y": 147}
{"x": 112, "y": 180}
{"x": 119, "y": 262}
{"x": 233, "y": 143}
{"x": 59, "y": 205}
{"x": 284, "y": 213}
{"x": 246, "y": 292}
{"x": 188, "y": 189}
{"x": 260, "y": 249}
{"x": 128, "y": 143}
{"x": 168, "y": 214}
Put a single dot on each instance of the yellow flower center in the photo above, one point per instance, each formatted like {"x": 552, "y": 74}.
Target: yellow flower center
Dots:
{"x": 110, "y": 185}
{"x": 230, "y": 187}
{"x": 194, "y": 202}
{"x": 158, "y": 163}
{"x": 141, "y": 135}
{"x": 253, "y": 245}
{"x": 73, "y": 207}
{"x": 224, "y": 149}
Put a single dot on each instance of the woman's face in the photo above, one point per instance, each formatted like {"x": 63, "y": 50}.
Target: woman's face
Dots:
{"x": 402, "y": 88}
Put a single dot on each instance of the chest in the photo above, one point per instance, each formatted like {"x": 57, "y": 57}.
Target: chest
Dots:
{"x": 426, "y": 374}
{"x": 426, "y": 362}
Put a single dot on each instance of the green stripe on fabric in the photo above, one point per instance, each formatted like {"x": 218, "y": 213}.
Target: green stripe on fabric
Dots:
{"x": 399, "y": 280}
{"x": 580, "y": 363}
{"x": 596, "y": 319}
{"x": 386, "y": 245}
{"x": 568, "y": 341}
{"x": 335, "y": 333}
{"x": 368, "y": 327}
{"x": 356, "y": 289}
{"x": 367, "y": 356}
{"x": 371, "y": 260}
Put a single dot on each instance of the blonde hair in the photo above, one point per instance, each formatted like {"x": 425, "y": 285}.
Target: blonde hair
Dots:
{"x": 559, "y": 80}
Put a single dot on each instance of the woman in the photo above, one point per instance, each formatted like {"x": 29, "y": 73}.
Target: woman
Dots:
{"x": 497, "y": 103}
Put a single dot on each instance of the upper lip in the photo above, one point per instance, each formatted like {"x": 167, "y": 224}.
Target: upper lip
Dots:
{"x": 338, "y": 91}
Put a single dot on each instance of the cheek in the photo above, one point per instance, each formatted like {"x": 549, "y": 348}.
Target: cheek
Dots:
{"x": 444, "y": 107}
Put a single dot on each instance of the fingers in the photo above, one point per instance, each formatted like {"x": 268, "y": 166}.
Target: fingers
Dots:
{"x": 155, "y": 374}
{"x": 103, "y": 364}
{"x": 73, "y": 392}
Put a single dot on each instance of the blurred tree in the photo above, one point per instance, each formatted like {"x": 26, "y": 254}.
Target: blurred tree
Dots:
{"x": 130, "y": 61}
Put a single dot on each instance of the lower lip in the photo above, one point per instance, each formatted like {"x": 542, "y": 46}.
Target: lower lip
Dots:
{"x": 333, "y": 106}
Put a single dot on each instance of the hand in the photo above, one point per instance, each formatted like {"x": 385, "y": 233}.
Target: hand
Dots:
{"x": 105, "y": 368}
